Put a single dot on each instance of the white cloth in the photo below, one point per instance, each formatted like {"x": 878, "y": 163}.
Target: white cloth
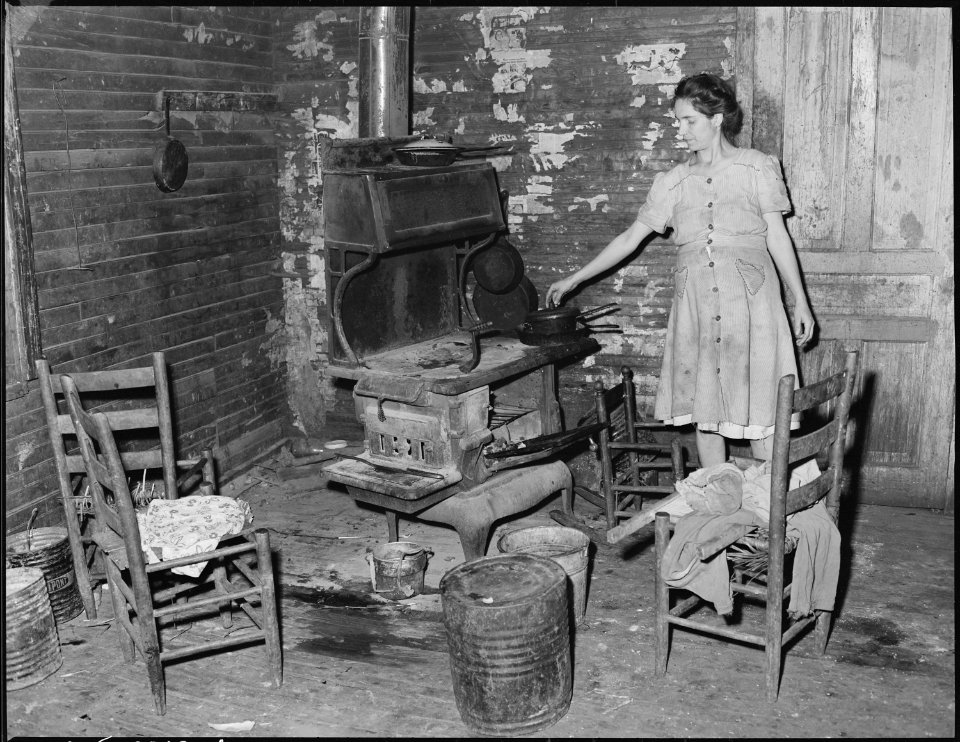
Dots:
{"x": 191, "y": 525}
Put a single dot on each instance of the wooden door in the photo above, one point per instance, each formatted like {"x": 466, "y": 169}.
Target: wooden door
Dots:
{"x": 858, "y": 104}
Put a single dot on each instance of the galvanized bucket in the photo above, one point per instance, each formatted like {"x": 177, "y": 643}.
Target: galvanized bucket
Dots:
{"x": 397, "y": 569}
{"x": 32, "y": 644}
{"x": 568, "y": 547}
{"x": 49, "y": 550}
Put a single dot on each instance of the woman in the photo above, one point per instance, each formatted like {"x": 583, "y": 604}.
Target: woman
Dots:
{"x": 728, "y": 337}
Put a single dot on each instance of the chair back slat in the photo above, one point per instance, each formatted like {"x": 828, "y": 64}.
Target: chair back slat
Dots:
{"x": 817, "y": 393}
{"x": 132, "y": 460}
{"x": 809, "y": 444}
{"x": 103, "y": 381}
{"x": 807, "y": 494}
{"x": 146, "y": 417}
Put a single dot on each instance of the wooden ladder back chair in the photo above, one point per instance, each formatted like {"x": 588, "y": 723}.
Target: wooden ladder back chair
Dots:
{"x": 629, "y": 453}
{"x": 156, "y": 415}
{"x": 138, "y": 604}
{"x": 823, "y": 437}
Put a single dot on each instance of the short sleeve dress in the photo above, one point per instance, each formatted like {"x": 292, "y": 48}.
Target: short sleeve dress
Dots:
{"x": 728, "y": 337}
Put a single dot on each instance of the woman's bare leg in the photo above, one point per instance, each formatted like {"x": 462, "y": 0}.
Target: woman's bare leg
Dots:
{"x": 763, "y": 448}
{"x": 711, "y": 448}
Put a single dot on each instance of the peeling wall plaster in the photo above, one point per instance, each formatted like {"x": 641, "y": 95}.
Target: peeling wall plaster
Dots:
{"x": 651, "y": 65}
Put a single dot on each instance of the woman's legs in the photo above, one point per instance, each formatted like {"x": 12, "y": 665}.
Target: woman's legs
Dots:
{"x": 763, "y": 448}
{"x": 711, "y": 448}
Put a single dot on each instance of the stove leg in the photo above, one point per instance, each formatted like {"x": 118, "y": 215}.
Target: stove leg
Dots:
{"x": 393, "y": 525}
{"x": 473, "y": 539}
{"x": 566, "y": 497}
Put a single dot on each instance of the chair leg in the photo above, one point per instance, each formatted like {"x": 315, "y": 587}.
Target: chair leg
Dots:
{"x": 774, "y": 650}
{"x": 662, "y": 595}
{"x": 119, "y": 609}
{"x": 822, "y": 631}
{"x": 82, "y": 573}
{"x": 268, "y": 605}
{"x": 223, "y": 587}
{"x": 158, "y": 686}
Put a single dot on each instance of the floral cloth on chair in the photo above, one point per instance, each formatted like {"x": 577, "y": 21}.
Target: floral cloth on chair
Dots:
{"x": 191, "y": 525}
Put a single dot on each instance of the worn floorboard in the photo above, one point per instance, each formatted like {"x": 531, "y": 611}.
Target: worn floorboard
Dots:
{"x": 356, "y": 665}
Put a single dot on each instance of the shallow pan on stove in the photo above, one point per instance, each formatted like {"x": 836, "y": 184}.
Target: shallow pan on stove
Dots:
{"x": 508, "y": 310}
{"x": 499, "y": 268}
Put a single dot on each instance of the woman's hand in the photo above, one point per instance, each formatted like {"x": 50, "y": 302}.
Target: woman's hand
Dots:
{"x": 803, "y": 324}
{"x": 558, "y": 290}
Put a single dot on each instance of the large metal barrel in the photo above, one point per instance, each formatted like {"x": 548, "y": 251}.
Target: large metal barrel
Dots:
{"x": 507, "y": 625}
{"x": 49, "y": 550}
{"x": 32, "y": 644}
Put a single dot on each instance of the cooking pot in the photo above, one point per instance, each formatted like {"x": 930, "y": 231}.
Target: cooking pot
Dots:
{"x": 559, "y": 320}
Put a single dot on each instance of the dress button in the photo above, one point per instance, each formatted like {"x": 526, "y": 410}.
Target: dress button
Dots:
{"x": 709, "y": 226}
{"x": 715, "y": 289}
{"x": 718, "y": 370}
{"x": 718, "y": 318}
{"x": 710, "y": 205}
{"x": 709, "y": 242}
{"x": 709, "y": 180}
{"x": 711, "y": 264}
{"x": 718, "y": 340}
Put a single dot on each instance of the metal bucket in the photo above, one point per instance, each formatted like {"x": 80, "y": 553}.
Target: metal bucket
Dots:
{"x": 397, "y": 569}
{"x": 568, "y": 547}
{"x": 49, "y": 549}
{"x": 508, "y": 632}
{"x": 32, "y": 644}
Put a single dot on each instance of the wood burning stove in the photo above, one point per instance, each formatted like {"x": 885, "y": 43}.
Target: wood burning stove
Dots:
{"x": 398, "y": 240}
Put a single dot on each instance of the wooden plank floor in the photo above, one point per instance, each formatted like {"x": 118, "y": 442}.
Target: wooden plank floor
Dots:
{"x": 358, "y": 666}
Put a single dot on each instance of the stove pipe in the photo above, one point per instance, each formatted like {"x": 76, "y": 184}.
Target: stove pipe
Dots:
{"x": 384, "y": 71}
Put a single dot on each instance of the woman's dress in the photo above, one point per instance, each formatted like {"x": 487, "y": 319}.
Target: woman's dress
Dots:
{"x": 728, "y": 337}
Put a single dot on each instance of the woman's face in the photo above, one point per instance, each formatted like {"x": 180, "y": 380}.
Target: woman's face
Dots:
{"x": 696, "y": 129}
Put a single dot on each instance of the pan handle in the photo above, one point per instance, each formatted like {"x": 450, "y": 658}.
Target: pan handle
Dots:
{"x": 597, "y": 310}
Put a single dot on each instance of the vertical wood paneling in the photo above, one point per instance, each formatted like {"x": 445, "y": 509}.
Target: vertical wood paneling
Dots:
{"x": 815, "y": 122}
{"x": 186, "y": 272}
{"x": 915, "y": 84}
{"x": 857, "y": 215}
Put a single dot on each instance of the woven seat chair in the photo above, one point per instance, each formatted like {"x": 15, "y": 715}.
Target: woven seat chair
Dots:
{"x": 143, "y": 595}
{"x": 761, "y": 555}
{"x": 138, "y": 405}
{"x": 629, "y": 455}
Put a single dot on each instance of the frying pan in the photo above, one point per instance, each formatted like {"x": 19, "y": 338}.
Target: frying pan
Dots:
{"x": 170, "y": 160}
{"x": 559, "y": 320}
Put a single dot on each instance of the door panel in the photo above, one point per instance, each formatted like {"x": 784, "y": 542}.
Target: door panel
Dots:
{"x": 861, "y": 112}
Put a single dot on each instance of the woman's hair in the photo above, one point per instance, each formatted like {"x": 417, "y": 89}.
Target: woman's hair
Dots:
{"x": 710, "y": 95}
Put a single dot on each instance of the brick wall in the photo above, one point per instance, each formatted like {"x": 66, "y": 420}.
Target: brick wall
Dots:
{"x": 193, "y": 273}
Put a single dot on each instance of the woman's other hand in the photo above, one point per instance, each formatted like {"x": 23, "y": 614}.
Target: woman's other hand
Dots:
{"x": 558, "y": 290}
{"x": 803, "y": 324}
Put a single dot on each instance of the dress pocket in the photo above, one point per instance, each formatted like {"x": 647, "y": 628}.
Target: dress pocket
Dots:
{"x": 752, "y": 275}
{"x": 680, "y": 281}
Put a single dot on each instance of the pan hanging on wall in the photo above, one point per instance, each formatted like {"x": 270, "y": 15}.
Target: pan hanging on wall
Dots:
{"x": 170, "y": 160}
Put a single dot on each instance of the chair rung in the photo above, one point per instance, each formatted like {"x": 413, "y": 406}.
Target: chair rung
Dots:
{"x": 718, "y": 630}
{"x": 217, "y": 599}
{"x": 649, "y": 488}
{"x": 168, "y": 655}
{"x": 797, "y": 627}
{"x": 755, "y": 590}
